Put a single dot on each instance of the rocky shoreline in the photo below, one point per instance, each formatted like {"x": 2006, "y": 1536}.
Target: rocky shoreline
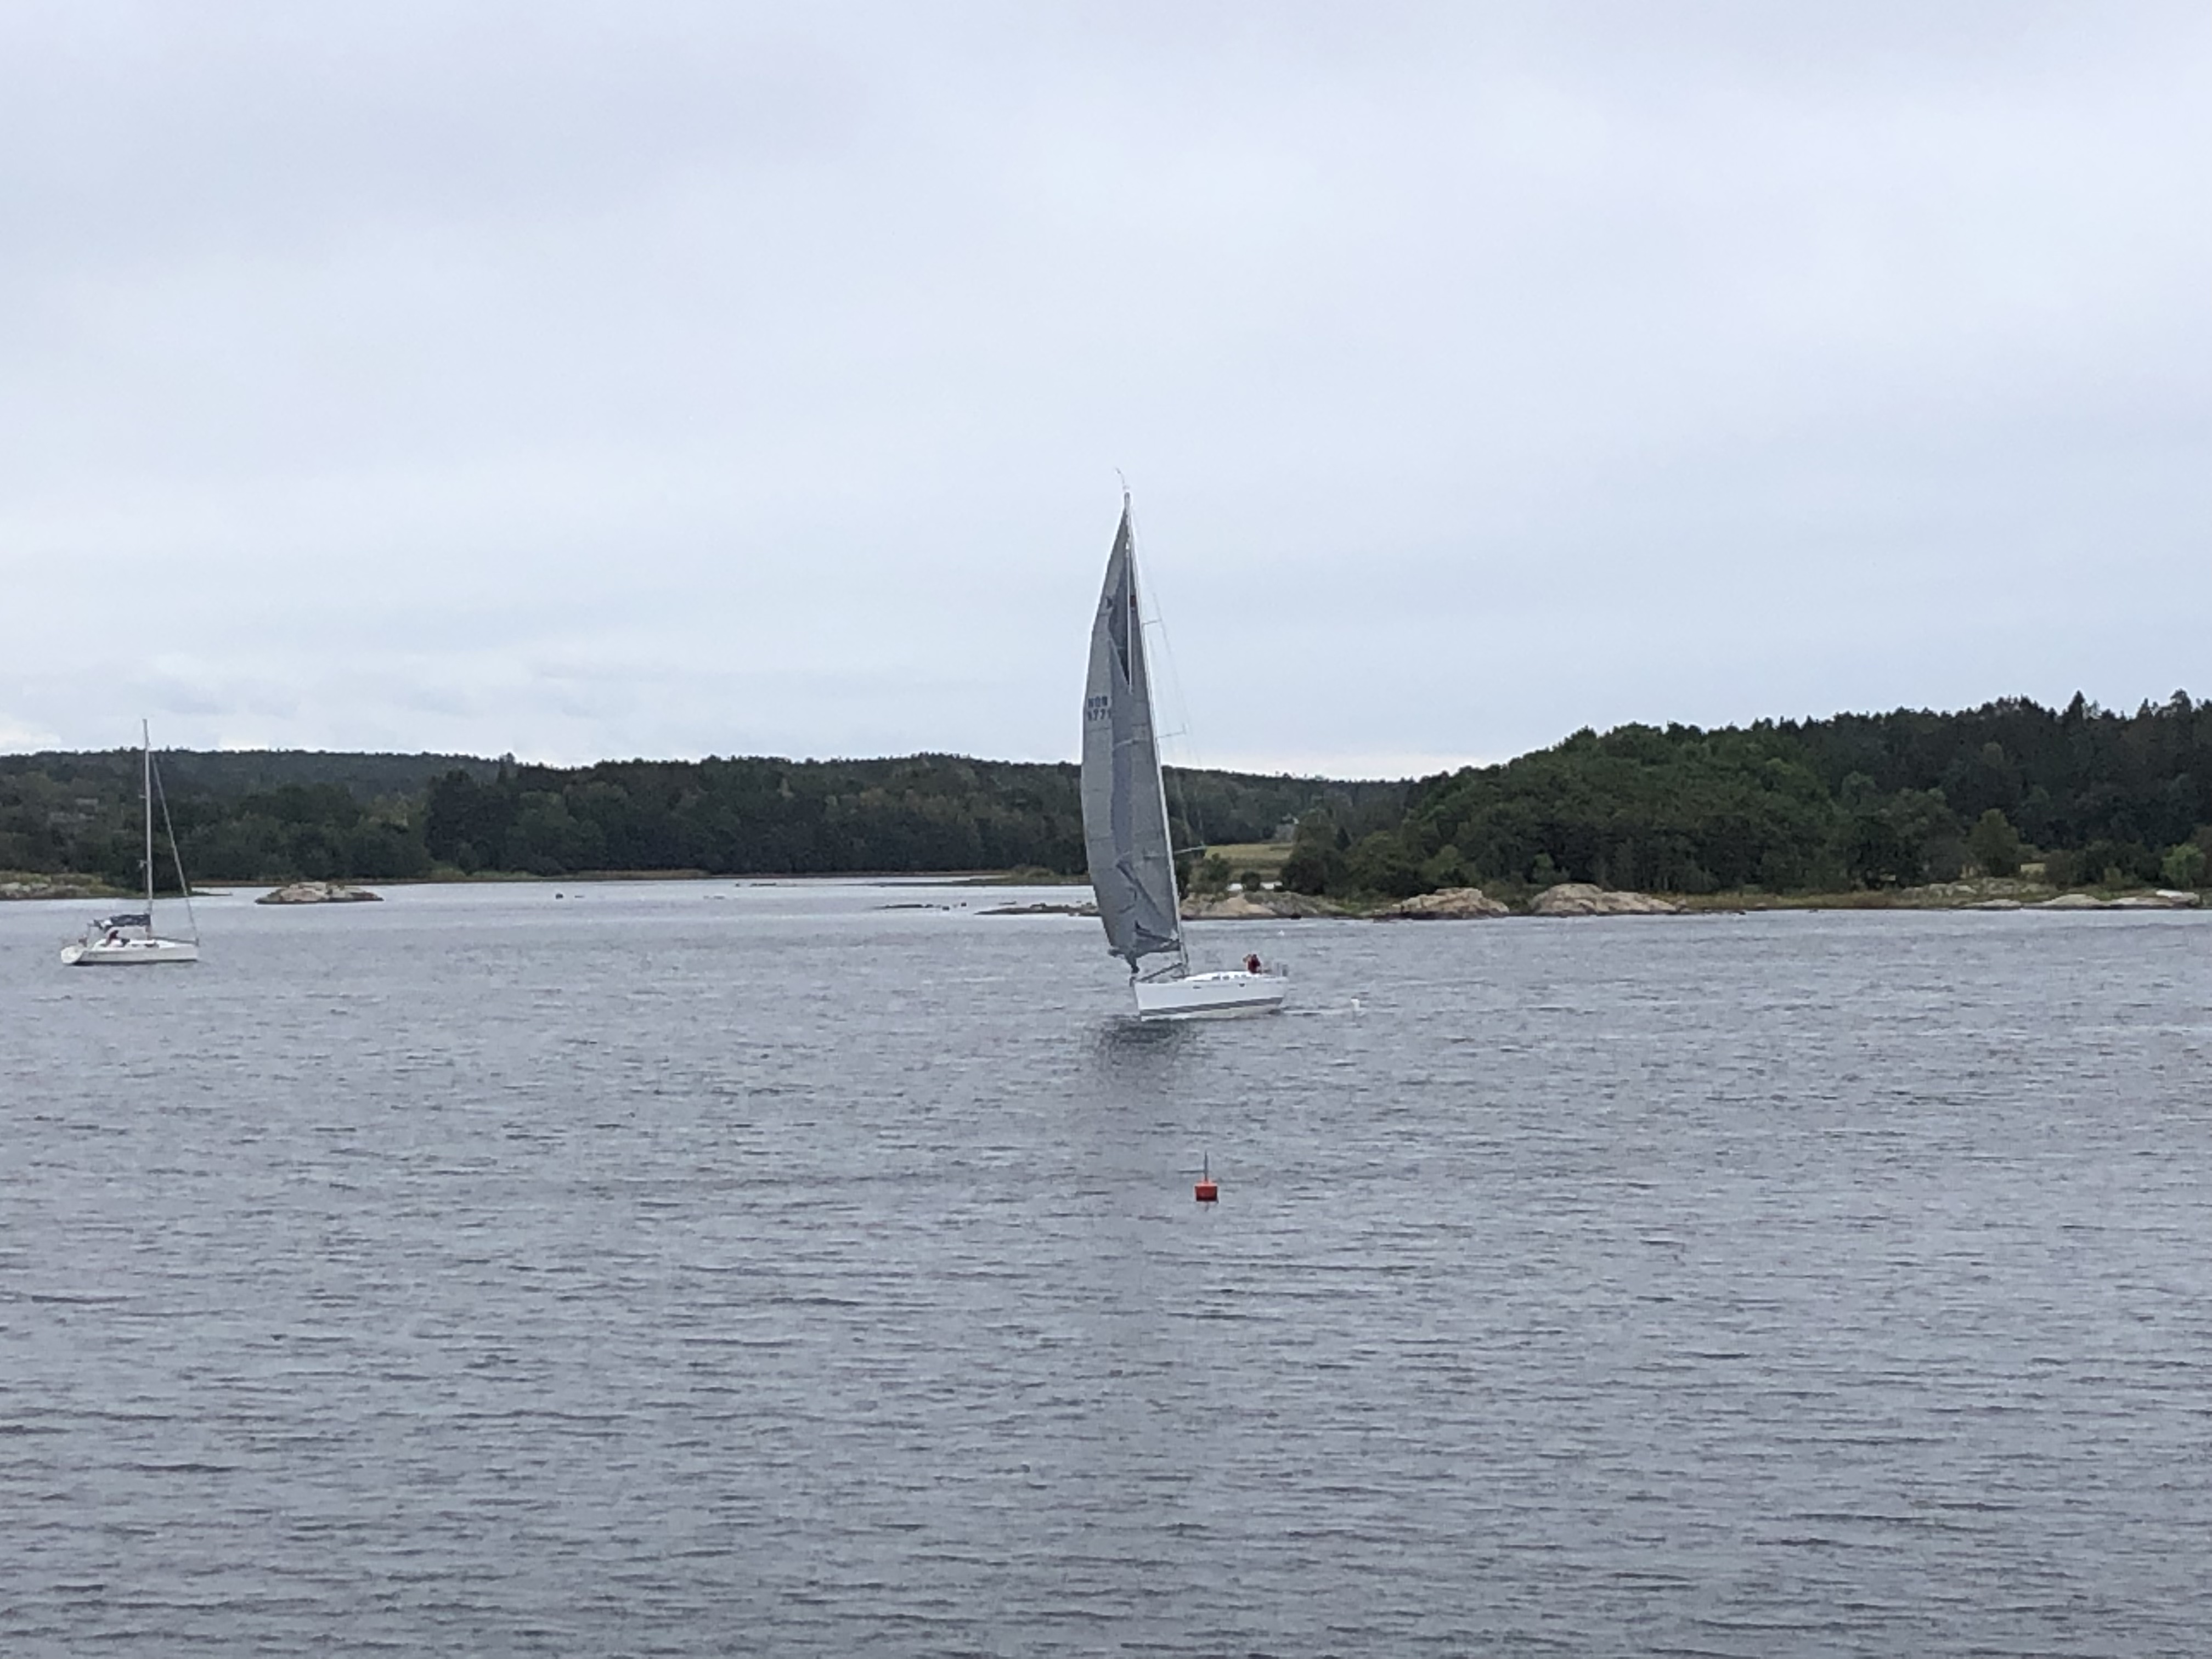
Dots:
{"x": 2163, "y": 898}
{"x": 1578, "y": 898}
{"x": 1261, "y": 906}
{"x": 1569, "y": 898}
{"x": 54, "y": 887}
{"x": 1446, "y": 904}
{"x": 1582, "y": 898}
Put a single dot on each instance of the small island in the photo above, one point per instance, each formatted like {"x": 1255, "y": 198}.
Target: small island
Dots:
{"x": 319, "y": 892}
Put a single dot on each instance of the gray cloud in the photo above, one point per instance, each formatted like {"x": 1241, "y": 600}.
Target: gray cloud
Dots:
{"x": 586, "y": 381}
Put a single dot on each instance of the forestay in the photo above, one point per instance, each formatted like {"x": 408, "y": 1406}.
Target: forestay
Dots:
{"x": 1124, "y": 815}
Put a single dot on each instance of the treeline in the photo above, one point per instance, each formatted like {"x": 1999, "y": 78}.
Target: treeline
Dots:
{"x": 277, "y": 814}
{"x": 1857, "y": 800}
{"x": 775, "y": 816}
{"x": 281, "y": 815}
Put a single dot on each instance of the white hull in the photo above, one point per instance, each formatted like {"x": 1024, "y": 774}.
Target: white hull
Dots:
{"x": 130, "y": 952}
{"x": 127, "y": 941}
{"x": 1204, "y": 996}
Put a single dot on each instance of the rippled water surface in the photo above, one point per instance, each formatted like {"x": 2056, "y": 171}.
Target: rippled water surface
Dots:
{"x": 681, "y": 1269}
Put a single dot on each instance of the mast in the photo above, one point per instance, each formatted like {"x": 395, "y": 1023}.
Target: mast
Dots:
{"x": 146, "y": 786}
{"x": 1153, "y": 724}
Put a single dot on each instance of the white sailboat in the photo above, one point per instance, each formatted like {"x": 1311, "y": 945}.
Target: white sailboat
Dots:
{"x": 123, "y": 941}
{"x": 1125, "y": 820}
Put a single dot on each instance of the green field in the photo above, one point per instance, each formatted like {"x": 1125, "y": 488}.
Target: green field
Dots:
{"x": 1264, "y": 858}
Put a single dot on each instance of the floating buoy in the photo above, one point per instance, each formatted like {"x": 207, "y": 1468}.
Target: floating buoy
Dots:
{"x": 1207, "y": 1191}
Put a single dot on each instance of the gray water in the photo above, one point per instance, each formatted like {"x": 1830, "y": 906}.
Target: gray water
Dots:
{"x": 692, "y": 1269}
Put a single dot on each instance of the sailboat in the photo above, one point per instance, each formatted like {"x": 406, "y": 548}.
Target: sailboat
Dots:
{"x": 123, "y": 941}
{"x": 1125, "y": 820}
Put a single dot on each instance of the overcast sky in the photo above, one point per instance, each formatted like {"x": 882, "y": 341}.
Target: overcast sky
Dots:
{"x": 644, "y": 379}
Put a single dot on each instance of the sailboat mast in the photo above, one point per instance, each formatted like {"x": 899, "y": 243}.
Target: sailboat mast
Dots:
{"x": 146, "y": 787}
{"x": 1153, "y": 724}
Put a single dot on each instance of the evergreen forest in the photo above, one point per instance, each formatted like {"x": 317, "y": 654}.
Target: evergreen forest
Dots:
{"x": 274, "y": 816}
{"x": 2090, "y": 795}
{"x": 2094, "y": 796}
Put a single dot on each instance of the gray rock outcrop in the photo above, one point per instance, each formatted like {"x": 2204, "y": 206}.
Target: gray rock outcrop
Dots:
{"x": 319, "y": 892}
{"x": 1231, "y": 907}
{"x": 1582, "y": 898}
{"x": 1447, "y": 904}
{"x": 1258, "y": 906}
{"x": 44, "y": 887}
{"x": 2165, "y": 898}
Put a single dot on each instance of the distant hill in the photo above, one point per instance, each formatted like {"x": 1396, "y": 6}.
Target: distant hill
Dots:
{"x": 1855, "y": 800}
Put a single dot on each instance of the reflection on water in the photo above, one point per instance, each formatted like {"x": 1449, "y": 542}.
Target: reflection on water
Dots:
{"x": 1125, "y": 1042}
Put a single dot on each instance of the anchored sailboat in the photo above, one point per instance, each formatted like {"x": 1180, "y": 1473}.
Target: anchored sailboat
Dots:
{"x": 126, "y": 940}
{"x": 1125, "y": 820}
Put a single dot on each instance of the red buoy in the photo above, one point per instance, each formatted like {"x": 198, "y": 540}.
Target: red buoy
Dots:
{"x": 1206, "y": 1191}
